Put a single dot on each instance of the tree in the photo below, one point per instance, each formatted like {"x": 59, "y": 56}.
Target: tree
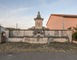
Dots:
{"x": 74, "y": 36}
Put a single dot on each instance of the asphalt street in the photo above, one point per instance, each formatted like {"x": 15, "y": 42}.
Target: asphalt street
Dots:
{"x": 39, "y": 56}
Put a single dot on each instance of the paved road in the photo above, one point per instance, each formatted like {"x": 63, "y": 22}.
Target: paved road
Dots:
{"x": 38, "y": 56}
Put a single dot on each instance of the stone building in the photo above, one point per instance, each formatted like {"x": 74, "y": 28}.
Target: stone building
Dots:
{"x": 38, "y": 33}
{"x": 2, "y": 34}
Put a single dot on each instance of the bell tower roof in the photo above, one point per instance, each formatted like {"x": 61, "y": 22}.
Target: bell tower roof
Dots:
{"x": 38, "y": 16}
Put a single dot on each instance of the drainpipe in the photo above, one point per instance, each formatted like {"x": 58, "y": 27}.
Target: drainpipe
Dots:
{"x": 63, "y": 22}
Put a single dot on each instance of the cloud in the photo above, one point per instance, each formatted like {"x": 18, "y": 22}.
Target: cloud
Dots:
{"x": 61, "y": 3}
{"x": 18, "y": 10}
{"x": 11, "y": 17}
{"x": 14, "y": 12}
{"x": 55, "y": 4}
{"x": 23, "y": 21}
{"x": 4, "y": 6}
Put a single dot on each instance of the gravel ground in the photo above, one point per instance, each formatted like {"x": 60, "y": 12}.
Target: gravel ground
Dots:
{"x": 26, "y": 47}
{"x": 26, "y": 51}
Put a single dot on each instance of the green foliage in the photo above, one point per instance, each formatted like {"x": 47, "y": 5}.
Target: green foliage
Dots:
{"x": 74, "y": 36}
{"x": 69, "y": 28}
{"x": 75, "y": 28}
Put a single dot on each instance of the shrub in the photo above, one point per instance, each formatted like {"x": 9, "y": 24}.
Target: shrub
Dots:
{"x": 74, "y": 36}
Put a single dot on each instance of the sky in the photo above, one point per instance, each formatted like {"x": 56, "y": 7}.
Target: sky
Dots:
{"x": 23, "y": 12}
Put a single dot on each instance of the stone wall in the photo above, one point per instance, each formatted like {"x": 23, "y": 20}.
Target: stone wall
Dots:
{"x": 60, "y": 34}
{"x": 0, "y": 37}
{"x": 15, "y": 40}
{"x": 2, "y": 29}
{"x": 58, "y": 40}
{"x": 18, "y": 33}
{"x": 50, "y": 36}
{"x": 29, "y": 40}
{"x": 36, "y": 40}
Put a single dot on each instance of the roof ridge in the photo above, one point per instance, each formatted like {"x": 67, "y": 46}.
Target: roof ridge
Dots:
{"x": 65, "y": 14}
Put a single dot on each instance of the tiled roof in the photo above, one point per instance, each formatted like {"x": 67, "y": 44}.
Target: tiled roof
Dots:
{"x": 64, "y": 15}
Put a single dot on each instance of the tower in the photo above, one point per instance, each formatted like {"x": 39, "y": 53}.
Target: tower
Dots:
{"x": 38, "y": 21}
{"x": 38, "y": 31}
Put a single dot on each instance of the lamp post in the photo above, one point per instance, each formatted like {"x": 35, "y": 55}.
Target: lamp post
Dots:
{"x": 16, "y": 25}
